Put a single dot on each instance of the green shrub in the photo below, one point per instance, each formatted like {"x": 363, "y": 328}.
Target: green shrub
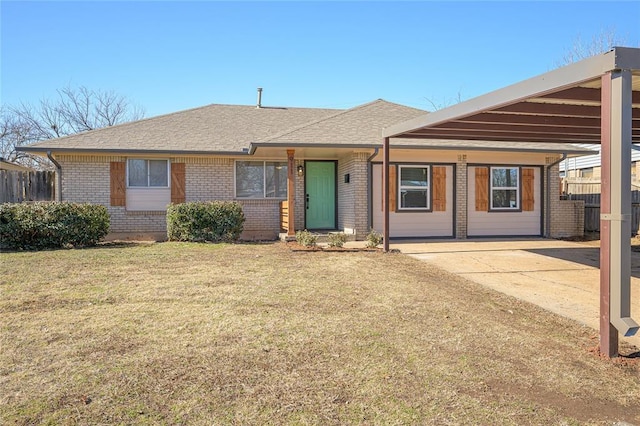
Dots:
{"x": 205, "y": 221}
{"x": 41, "y": 225}
{"x": 306, "y": 238}
{"x": 374, "y": 239}
{"x": 337, "y": 239}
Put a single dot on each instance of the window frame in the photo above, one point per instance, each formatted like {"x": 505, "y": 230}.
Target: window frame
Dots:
{"x": 264, "y": 196}
{"x": 148, "y": 186}
{"x": 400, "y": 187}
{"x": 517, "y": 188}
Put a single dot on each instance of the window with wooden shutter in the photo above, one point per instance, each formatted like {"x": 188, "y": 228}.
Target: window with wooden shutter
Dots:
{"x": 118, "y": 184}
{"x": 414, "y": 184}
{"x": 178, "y": 183}
{"x": 439, "y": 189}
{"x": 504, "y": 192}
{"x": 528, "y": 201}
{"x": 482, "y": 189}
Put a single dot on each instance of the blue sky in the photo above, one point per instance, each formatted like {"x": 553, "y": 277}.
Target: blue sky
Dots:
{"x": 170, "y": 56}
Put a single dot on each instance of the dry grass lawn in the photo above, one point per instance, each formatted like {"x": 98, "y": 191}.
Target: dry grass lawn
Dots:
{"x": 176, "y": 333}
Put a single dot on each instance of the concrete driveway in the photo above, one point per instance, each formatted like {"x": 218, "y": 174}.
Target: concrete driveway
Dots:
{"x": 560, "y": 276}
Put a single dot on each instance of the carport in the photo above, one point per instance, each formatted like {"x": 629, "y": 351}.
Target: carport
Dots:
{"x": 594, "y": 101}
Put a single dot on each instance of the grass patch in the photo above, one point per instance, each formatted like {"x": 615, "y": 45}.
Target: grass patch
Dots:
{"x": 181, "y": 333}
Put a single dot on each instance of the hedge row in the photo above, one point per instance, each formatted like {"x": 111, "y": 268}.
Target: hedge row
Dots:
{"x": 40, "y": 225}
{"x": 205, "y": 221}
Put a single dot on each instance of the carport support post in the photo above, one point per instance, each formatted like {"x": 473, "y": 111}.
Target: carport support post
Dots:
{"x": 385, "y": 194}
{"x": 615, "y": 208}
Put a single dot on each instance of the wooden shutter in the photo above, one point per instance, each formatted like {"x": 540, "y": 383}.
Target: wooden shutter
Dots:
{"x": 393, "y": 190}
{"x": 439, "y": 189}
{"x": 118, "y": 185}
{"x": 177, "y": 183}
{"x": 482, "y": 189}
{"x": 528, "y": 201}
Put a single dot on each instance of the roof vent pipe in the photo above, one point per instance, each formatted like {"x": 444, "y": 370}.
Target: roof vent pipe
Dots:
{"x": 259, "y": 104}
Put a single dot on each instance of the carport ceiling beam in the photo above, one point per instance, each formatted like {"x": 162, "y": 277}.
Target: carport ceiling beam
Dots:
{"x": 517, "y": 128}
{"x": 506, "y": 137}
{"x": 584, "y": 94}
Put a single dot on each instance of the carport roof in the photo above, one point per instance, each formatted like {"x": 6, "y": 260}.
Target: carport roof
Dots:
{"x": 563, "y": 105}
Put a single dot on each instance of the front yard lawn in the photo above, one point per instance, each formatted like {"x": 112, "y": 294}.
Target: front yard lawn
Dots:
{"x": 179, "y": 333}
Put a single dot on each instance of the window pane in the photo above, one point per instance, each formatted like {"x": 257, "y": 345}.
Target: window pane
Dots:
{"x": 413, "y": 198}
{"x": 413, "y": 176}
{"x": 249, "y": 179}
{"x": 505, "y": 178}
{"x": 505, "y": 198}
{"x": 276, "y": 184}
{"x": 158, "y": 173}
{"x": 137, "y": 173}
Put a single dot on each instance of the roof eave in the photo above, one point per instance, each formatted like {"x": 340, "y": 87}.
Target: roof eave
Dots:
{"x": 44, "y": 150}
{"x": 256, "y": 145}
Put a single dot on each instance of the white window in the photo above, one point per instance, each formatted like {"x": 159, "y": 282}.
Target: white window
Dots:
{"x": 505, "y": 188}
{"x": 414, "y": 187}
{"x": 261, "y": 179}
{"x": 148, "y": 173}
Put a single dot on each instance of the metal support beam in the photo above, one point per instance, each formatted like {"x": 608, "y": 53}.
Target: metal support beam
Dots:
{"x": 615, "y": 218}
{"x": 291, "y": 191}
{"x": 385, "y": 194}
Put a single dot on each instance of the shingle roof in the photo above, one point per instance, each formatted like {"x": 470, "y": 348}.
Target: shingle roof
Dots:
{"x": 213, "y": 128}
{"x": 361, "y": 125}
{"x": 233, "y": 129}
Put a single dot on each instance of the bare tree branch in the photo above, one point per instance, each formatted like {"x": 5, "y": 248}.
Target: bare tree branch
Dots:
{"x": 445, "y": 102}
{"x": 73, "y": 111}
{"x": 602, "y": 42}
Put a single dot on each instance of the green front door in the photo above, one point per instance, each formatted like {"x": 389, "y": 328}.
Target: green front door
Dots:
{"x": 320, "y": 194}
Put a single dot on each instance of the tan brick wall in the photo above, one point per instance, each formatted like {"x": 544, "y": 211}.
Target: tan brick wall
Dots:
{"x": 212, "y": 180}
{"x": 461, "y": 196}
{"x": 566, "y": 216}
{"x": 86, "y": 179}
{"x": 567, "y": 219}
{"x": 353, "y": 197}
{"x": 262, "y": 219}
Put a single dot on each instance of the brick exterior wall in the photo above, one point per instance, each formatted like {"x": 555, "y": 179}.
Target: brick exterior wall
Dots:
{"x": 213, "y": 179}
{"x": 86, "y": 179}
{"x": 353, "y": 197}
{"x": 262, "y": 219}
{"x": 567, "y": 219}
{"x": 461, "y": 196}
{"x": 566, "y": 216}
{"x": 209, "y": 179}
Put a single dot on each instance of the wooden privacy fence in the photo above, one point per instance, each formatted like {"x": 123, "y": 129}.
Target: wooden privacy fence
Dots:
{"x": 592, "y": 210}
{"x": 17, "y": 186}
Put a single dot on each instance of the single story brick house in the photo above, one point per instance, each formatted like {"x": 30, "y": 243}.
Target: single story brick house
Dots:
{"x": 322, "y": 167}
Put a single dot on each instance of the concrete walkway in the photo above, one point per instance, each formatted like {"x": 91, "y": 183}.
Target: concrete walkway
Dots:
{"x": 559, "y": 276}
